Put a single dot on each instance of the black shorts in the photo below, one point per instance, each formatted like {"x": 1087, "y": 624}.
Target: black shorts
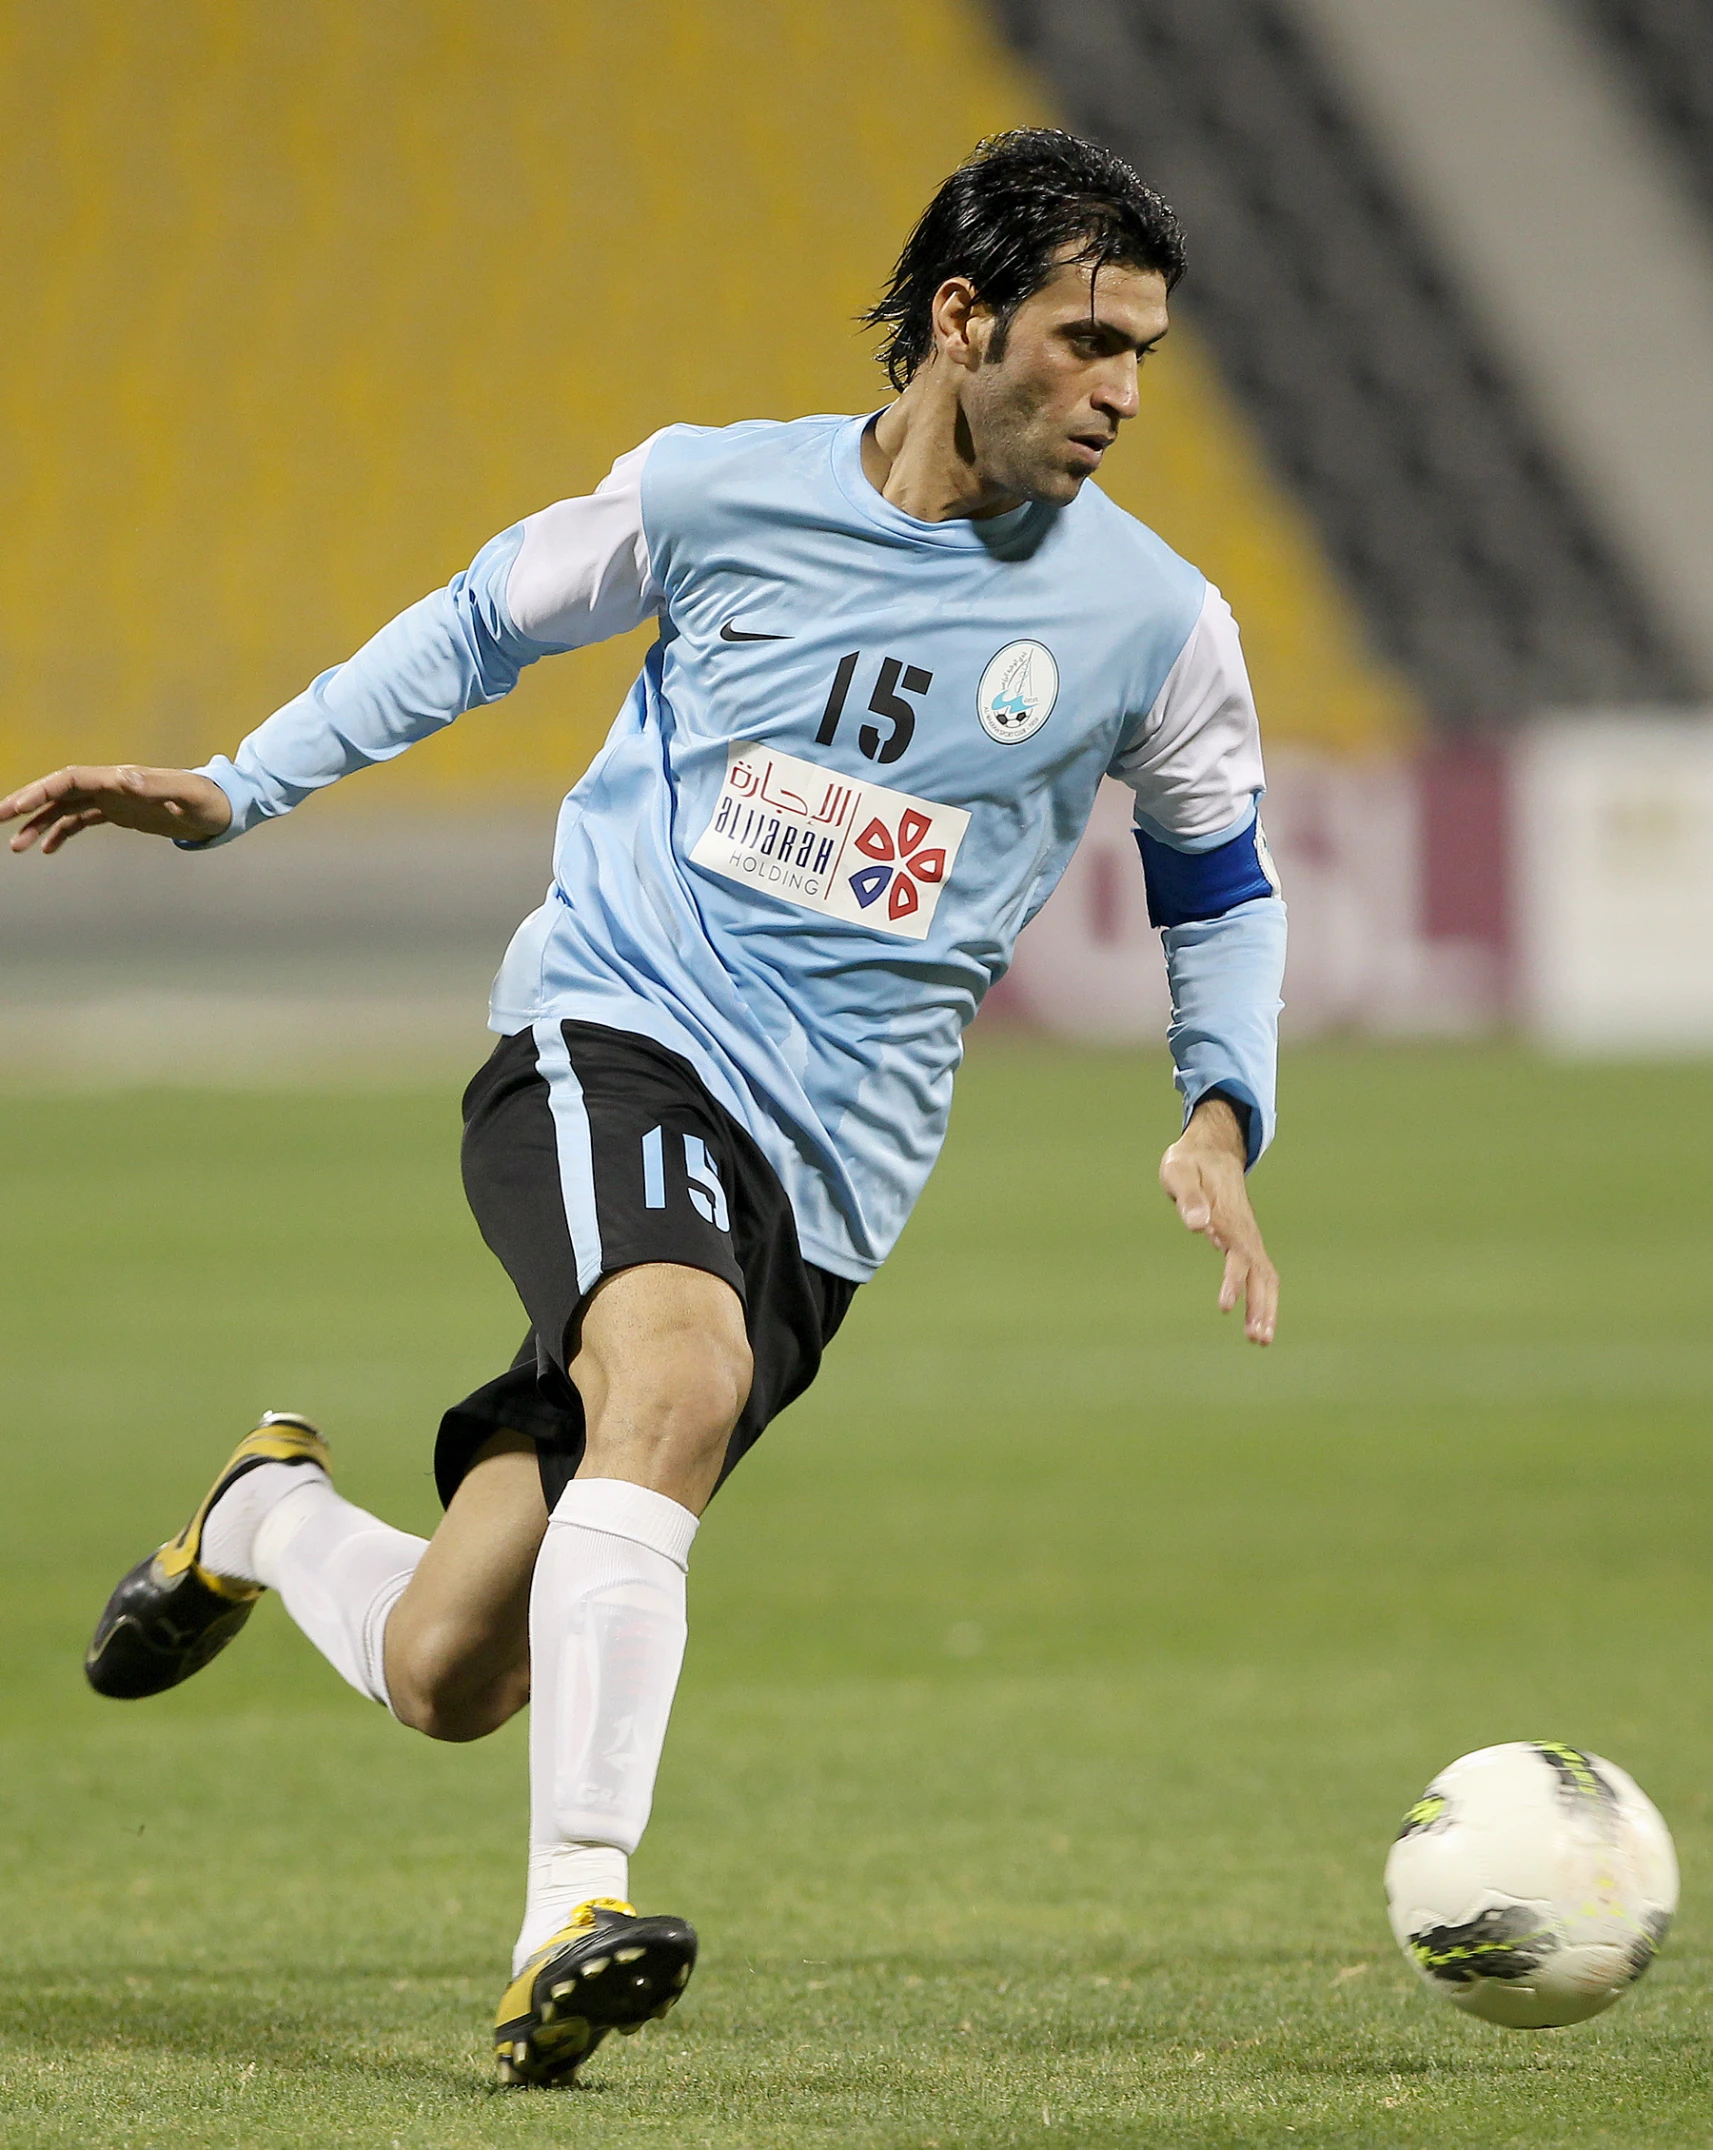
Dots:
{"x": 588, "y": 1150}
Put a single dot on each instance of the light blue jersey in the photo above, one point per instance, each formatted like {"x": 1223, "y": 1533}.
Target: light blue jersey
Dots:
{"x": 856, "y": 762}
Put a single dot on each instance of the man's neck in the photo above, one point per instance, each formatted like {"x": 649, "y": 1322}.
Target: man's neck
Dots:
{"x": 919, "y": 456}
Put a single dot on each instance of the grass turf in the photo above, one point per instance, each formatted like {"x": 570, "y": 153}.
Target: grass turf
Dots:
{"x": 1059, "y": 1668}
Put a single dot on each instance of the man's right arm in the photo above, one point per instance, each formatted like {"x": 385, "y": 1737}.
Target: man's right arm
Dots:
{"x": 575, "y": 574}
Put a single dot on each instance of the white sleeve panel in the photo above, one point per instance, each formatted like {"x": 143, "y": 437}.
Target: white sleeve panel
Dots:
{"x": 1195, "y": 764}
{"x": 582, "y": 573}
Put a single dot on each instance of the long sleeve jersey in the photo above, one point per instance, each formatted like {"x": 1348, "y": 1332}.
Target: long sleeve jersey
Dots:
{"x": 856, "y": 761}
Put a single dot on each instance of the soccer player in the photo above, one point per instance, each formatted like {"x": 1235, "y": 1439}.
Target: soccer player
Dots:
{"x": 896, "y": 656}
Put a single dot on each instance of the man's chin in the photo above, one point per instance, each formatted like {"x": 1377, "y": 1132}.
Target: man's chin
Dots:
{"x": 1052, "y": 486}
{"x": 1060, "y": 487}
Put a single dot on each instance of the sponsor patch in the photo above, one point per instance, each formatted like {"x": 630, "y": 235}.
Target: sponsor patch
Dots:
{"x": 1017, "y": 692}
{"x": 834, "y": 844}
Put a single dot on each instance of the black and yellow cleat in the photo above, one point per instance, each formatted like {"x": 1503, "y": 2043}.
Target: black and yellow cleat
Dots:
{"x": 608, "y": 1970}
{"x": 170, "y": 1615}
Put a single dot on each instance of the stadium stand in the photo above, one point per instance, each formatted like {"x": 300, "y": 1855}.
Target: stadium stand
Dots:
{"x": 309, "y": 301}
{"x": 1551, "y": 202}
{"x": 1371, "y": 378}
{"x": 1665, "y": 48}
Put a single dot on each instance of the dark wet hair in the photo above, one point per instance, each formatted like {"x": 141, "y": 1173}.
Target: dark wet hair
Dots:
{"x": 1003, "y": 218}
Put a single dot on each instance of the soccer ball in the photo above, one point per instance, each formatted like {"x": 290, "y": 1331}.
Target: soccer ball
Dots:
{"x": 1531, "y": 1884}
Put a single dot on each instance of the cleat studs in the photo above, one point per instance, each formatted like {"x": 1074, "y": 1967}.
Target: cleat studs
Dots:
{"x": 629, "y": 2030}
{"x": 626, "y": 1955}
{"x": 565, "y": 1986}
{"x": 595, "y": 1966}
{"x": 548, "y": 2011}
{"x": 682, "y": 1977}
{"x": 658, "y": 2015}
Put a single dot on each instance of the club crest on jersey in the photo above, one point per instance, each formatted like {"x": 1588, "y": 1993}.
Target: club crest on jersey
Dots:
{"x": 1017, "y": 692}
{"x": 834, "y": 844}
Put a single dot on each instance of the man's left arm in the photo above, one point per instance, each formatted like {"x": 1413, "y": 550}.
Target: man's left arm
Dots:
{"x": 1195, "y": 766}
{"x": 1225, "y": 974}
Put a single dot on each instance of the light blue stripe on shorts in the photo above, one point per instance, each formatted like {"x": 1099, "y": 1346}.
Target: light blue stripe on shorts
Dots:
{"x": 576, "y": 1152}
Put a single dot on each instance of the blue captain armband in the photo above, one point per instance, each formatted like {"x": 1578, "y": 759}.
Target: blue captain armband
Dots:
{"x": 1187, "y": 886}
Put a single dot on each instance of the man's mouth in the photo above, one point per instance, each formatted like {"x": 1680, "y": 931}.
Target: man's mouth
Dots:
{"x": 1093, "y": 445}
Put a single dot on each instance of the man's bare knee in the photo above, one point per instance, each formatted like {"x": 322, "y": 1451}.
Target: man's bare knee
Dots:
{"x": 437, "y": 1689}
{"x": 457, "y": 1644}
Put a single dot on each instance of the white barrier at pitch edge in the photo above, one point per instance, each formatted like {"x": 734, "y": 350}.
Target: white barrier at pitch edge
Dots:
{"x": 1614, "y": 880}
{"x": 1602, "y": 942}
{"x": 1347, "y": 840}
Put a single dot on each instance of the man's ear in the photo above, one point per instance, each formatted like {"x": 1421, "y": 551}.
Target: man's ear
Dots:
{"x": 962, "y": 325}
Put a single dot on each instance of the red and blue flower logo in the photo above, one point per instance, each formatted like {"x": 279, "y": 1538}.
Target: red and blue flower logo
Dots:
{"x": 901, "y": 862}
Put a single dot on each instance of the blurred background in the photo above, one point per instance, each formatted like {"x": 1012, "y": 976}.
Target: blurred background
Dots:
{"x": 307, "y": 302}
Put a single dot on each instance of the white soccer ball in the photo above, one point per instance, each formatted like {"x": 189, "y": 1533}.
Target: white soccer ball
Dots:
{"x": 1531, "y": 1884}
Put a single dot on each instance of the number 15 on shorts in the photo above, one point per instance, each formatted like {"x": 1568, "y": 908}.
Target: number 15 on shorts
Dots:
{"x": 702, "y": 1175}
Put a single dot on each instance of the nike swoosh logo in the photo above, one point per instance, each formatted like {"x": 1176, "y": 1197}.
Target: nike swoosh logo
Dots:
{"x": 729, "y": 633}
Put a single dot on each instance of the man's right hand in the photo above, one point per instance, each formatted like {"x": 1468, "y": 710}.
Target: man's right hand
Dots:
{"x": 160, "y": 802}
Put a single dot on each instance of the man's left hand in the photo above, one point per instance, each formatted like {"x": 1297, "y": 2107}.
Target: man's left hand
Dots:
{"x": 1202, "y": 1172}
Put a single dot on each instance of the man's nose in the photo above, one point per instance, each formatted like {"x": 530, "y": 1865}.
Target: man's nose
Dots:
{"x": 1119, "y": 391}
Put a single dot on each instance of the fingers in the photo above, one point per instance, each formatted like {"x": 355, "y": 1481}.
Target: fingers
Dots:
{"x": 1232, "y": 1282}
{"x": 69, "y": 792}
{"x": 1210, "y": 1196}
{"x": 55, "y": 823}
{"x": 1261, "y": 1302}
{"x": 37, "y": 801}
{"x": 49, "y": 790}
{"x": 27, "y": 800}
{"x": 64, "y": 828}
{"x": 1251, "y": 1278}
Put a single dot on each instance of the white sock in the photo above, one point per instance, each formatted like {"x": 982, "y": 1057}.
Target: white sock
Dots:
{"x": 606, "y": 1639}
{"x": 340, "y": 1571}
{"x": 229, "y": 1529}
{"x": 562, "y": 1876}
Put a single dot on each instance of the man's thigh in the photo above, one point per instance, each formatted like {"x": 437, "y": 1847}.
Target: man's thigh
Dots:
{"x": 596, "y": 1163}
{"x": 664, "y": 1370}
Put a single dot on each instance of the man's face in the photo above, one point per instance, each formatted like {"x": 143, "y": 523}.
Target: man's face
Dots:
{"x": 1043, "y": 411}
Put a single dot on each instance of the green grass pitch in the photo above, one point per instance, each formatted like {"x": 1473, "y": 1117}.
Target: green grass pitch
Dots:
{"x": 1059, "y": 1668}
